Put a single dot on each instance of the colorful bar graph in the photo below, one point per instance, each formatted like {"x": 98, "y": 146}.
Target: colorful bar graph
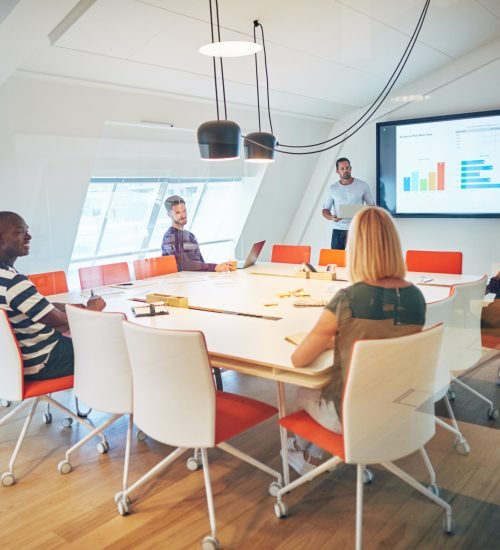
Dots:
{"x": 434, "y": 180}
{"x": 414, "y": 181}
{"x": 440, "y": 176}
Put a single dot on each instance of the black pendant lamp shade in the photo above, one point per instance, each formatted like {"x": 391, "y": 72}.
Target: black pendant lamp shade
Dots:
{"x": 259, "y": 147}
{"x": 219, "y": 140}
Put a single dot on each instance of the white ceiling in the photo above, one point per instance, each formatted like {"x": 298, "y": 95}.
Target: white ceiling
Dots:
{"x": 326, "y": 57}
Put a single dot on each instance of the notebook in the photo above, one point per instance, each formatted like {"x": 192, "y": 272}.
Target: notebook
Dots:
{"x": 252, "y": 255}
{"x": 348, "y": 210}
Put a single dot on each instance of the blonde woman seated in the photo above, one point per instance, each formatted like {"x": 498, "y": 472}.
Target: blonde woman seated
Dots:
{"x": 379, "y": 304}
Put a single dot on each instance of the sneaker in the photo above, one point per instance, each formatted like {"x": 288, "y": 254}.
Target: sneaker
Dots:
{"x": 290, "y": 443}
{"x": 297, "y": 461}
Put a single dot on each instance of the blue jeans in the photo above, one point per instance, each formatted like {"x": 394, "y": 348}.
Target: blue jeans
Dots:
{"x": 339, "y": 239}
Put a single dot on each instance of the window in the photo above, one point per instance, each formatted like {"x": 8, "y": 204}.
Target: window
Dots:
{"x": 124, "y": 219}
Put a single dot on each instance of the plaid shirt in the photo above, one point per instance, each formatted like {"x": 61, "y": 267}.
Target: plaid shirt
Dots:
{"x": 183, "y": 245}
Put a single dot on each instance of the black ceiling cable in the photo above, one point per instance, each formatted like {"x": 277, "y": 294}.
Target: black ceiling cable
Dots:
{"x": 373, "y": 107}
{"x": 387, "y": 88}
{"x": 255, "y": 24}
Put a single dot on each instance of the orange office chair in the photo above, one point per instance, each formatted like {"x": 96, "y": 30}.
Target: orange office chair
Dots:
{"x": 175, "y": 402}
{"x": 153, "y": 267}
{"x": 290, "y": 254}
{"x": 103, "y": 378}
{"x": 102, "y": 275}
{"x": 15, "y": 388}
{"x": 434, "y": 261}
{"x": 52, "y": 282}
{"x": 332, "y": 256}
{"x": 404, "y": 421}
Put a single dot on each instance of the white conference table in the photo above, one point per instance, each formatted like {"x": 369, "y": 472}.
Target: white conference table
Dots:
{"x": 251, "y": 339}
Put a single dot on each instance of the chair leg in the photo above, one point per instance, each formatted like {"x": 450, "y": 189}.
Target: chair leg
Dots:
{"x": 208, "y": 490}
{"x": 86, "y": 424}
{"x": 65, "y": 466}
{"x": 126, "y": 460}
{"x": 324, "y": 467}
{"x": 249, "y": 460}
{"x": 79, "y": 412}
{"x": 461, "y": 444}
{"x": 8, "y": 477}
{"x": 421, "y": 489}
{"x": 473, "y": 391}
{"x": 359, "y": 506}
{"x": 218, "y": 378}
{"x": 150, "y": 474}
{"x": 428, "y": 465}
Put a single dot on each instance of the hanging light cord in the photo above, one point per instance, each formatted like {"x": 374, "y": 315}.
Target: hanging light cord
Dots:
{"x": 368, "y": 114}
{"x": 372, "y": 109}
{"x": 257, "y": 75}
{"x": 257, "y": 23}
{"x": 213, "y": 60}
{"x": 220, "y": 58}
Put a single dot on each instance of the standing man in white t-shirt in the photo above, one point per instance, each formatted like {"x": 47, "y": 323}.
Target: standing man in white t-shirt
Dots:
{"x": 347, "y": 190}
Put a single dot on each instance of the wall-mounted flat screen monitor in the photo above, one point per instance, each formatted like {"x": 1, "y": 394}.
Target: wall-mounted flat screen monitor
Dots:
{"x": 445, "y": 166}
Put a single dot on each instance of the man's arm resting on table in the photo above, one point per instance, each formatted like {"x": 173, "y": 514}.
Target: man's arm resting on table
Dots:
{"x": 56, "y": 318}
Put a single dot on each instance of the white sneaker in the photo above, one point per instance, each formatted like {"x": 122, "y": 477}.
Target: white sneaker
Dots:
{"x": 297, "y": 461}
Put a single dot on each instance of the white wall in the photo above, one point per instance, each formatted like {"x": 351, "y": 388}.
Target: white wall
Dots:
{"x": 467, "y": 85}
{"x": 50, "y": 138}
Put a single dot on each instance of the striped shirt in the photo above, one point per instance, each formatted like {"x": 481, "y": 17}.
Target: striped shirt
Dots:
{"x": 25, "y": 306}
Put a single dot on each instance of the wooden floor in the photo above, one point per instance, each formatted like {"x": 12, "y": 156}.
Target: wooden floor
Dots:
{"x": 45, "y": 509}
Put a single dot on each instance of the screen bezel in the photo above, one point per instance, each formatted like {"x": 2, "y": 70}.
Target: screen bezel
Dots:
{"x": 419, "y": 120}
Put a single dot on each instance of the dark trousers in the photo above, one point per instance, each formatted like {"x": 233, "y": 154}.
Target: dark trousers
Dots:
{"x": 61, "y": 362}
{"x": 339, "y": 239}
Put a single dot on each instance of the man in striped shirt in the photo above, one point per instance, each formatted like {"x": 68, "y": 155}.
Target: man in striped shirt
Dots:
{"x": 37, "y": 323}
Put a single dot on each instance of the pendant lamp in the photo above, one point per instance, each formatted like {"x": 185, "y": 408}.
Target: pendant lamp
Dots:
{"x": 218, "y": 139}
{"x": 260, "y": 146}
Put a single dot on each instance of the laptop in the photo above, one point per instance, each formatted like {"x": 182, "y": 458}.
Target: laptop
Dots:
{"x": 252, "y": 255}
{"x": 348, "y": 210}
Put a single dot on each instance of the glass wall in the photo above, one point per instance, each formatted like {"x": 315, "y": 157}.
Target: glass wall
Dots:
{"x": 124, "y": 219}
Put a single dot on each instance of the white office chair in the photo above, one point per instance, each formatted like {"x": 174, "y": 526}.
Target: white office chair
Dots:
{"x": 28, "y": 392}
{"x": 465, "y": 327}
{"x": 388, "y": 413}
{"x": 176, "y": 403}
{"x": 450, "y": 355}
{"x": 103, "y": 378}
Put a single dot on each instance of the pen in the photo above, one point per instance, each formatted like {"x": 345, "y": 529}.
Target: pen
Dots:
{"x": 124, "y": 284}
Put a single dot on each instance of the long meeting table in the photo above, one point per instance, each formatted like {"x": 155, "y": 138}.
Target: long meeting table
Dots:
{"x": 246, "y": 316}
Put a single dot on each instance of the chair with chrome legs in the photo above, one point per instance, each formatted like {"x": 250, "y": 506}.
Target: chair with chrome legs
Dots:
{"x": 388, "y": 413}
{"x": 103, "y": 378}
{"x": 451, "y": 354}
{"x": 466, "y": 327}
{"x": 175, "y": 402}
{"x": 16, "y": 388}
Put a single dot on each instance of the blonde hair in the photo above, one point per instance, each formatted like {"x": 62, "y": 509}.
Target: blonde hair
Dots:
{"x": 373, "y": 247}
